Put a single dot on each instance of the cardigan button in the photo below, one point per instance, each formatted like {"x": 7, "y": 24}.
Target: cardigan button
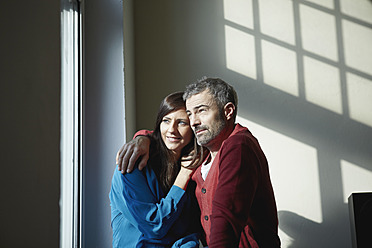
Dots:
{"x": 203, "y": 190}
{"x": 206, "y": 217}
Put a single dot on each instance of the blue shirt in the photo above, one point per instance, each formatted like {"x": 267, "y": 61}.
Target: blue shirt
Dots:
{"x": 142, "y": 216}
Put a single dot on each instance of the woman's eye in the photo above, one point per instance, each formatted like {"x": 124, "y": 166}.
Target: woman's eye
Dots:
{"x": 165, "y": 121}
{"x": 183, "y": 123}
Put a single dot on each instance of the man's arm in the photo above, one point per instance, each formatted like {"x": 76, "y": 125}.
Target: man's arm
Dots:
{"x": 236, "y": 188}
{"x": 129, "y": 153}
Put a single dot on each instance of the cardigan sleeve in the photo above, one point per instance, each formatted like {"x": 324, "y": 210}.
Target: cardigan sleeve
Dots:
{"x": 143, "y": 132}
{"x": 153, "y": 216}
{"x": 237, "y": 183}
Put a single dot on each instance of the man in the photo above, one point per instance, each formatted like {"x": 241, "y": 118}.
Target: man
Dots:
{"x": 234, "y": 190}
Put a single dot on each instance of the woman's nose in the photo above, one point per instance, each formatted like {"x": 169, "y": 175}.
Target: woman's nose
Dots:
{"x": 172, "y": 127}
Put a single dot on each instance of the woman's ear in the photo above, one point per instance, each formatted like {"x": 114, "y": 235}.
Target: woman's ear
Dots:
{"x": 229, "y": 110}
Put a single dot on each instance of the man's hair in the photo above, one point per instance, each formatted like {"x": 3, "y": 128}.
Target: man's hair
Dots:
{"x": 221, "y": 91}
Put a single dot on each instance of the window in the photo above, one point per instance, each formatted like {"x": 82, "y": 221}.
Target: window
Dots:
{"x": 92, "y": 100}
{"x": 71, "y": 124}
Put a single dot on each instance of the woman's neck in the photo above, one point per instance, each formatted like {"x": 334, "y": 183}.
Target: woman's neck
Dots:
{"x": 176, "y": 155}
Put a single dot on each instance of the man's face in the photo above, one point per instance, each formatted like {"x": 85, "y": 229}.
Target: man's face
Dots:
{"x": 205, "y": 116}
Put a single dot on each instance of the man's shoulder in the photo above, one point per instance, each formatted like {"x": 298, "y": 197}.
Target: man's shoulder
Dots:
{"x": 240, "y": 135}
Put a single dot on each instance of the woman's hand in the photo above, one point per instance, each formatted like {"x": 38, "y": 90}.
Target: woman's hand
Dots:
{"x": 191, "y": 161}
{"x": 186, "y": 159}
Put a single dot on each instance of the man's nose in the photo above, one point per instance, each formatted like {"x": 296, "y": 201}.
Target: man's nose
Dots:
{"x": 194, "y": 120}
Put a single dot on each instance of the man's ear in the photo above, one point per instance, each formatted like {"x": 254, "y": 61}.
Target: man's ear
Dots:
{"x": 229, "y": 110}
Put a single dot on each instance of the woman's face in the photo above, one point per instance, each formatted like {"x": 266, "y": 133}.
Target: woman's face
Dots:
{"x": 175, "y": 130}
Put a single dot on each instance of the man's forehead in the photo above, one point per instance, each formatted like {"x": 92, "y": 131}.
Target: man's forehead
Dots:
{"x": 201, "y": 99}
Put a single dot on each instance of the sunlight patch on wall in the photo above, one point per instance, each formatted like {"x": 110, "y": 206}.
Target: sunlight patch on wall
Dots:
{"x": 290, "y": 175}
{"x": 322, "y": 85}
{"x": 360, "y": 9}
{"x": 359, "y": 93}
{"x": 358, "y": 46}
{"x": 355, "y": 179}
{"x": 239, "y": 12}
{"x": 276, "y": 19}
{"x": 318, "y": 30}
{"x": 240, "y": 52}
{"x": 324, "y": 3}
{"x": 279, "y": 67}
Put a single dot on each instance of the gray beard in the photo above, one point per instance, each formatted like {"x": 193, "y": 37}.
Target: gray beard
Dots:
{"x": 210, "y": 135}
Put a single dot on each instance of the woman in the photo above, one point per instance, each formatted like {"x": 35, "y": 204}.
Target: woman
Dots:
{"x": 156, "y": 207}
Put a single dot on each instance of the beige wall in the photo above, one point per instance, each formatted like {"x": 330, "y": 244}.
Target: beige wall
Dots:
{"x": 303, "y": 73}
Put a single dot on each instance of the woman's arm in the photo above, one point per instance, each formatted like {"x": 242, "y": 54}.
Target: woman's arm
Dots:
{"x": 154, "y": 215}
{"x": 183, "y": 178}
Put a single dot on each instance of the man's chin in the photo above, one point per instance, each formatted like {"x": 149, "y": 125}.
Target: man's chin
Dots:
{"x": 202, "y": 142}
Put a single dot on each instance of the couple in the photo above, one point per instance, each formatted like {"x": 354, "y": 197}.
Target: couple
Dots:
{"x": 154, "y": 207}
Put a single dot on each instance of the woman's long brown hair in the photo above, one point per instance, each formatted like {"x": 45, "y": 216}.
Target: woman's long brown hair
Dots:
{"x": 168, "y": 167}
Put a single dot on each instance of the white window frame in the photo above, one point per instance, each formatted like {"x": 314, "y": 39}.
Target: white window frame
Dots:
{"x": 71, "y": 124}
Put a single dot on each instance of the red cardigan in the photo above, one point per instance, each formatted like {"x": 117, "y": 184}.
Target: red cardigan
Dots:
{"x": 236, "y": 200}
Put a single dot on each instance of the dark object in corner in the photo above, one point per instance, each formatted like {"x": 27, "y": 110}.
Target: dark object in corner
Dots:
{"x": 360, "y": 212}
